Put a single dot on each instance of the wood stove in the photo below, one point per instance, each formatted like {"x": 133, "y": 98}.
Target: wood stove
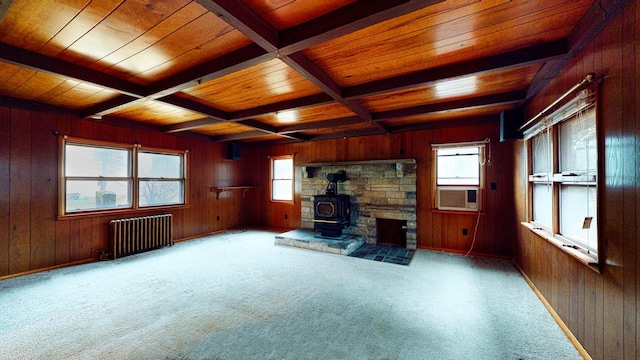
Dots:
{"x": 331, "y": 211}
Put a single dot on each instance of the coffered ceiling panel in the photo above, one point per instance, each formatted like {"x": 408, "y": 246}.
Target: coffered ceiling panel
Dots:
{"x": 272, "y": 71}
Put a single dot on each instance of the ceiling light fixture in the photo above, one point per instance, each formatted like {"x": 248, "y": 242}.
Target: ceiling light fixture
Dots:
{"x": 456, "y": 87}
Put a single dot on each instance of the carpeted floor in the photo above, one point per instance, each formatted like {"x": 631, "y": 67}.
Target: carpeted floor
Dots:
{"x": 240, "y": 296}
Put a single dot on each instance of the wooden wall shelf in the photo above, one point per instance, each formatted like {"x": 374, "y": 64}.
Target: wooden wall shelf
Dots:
{"x": 219, "y": 189}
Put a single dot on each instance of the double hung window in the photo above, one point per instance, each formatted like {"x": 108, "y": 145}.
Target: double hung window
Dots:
{"x": 282, "y": 178}
{"x": 563, "y": 174}
{"x": 100, "y": 176}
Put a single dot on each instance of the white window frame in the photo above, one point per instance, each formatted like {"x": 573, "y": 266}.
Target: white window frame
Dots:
{"x": 482, "y": 155}
{"x": 131, "y": 178}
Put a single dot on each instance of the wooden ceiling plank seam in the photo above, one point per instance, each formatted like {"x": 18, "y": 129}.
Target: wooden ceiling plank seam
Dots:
{"x": 244, "y": 19}
{"x": 293, "y": 104}
{"x": 512, "y": 97}
{"x": 591, "y": 24}
{"x": 522, "y": 57}
{"x": 35, "y": 61}
{"x": 348, "y": 19}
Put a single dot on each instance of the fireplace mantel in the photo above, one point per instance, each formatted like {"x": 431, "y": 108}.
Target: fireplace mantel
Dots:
{"x": 401, "y": 165}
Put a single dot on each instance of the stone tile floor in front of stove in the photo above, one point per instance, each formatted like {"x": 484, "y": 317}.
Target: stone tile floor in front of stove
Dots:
{"x": 388, "y": 254}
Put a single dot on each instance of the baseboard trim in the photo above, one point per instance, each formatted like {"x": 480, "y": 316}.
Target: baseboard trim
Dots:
{"x": 54, "y": 267}
{"x": 556, "y": 317}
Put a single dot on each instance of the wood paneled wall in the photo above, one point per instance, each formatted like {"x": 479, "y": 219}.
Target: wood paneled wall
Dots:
{"x": 32, "y": 238}
{"x": 600, "y": 309}
{"x": 436, "y": 230}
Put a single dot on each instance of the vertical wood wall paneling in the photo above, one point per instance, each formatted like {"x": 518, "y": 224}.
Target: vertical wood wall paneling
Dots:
{"x": 20, "y": 192}
{"x": 601, "y": 310}
{"x": 44, "y": 181}
{"x": 5, "y": 179}
{"x": 614, "y": 190}
{"x": 630, "y": 138}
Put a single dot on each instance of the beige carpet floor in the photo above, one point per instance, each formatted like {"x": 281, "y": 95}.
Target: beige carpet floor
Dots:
{"x": 239, "y": 296}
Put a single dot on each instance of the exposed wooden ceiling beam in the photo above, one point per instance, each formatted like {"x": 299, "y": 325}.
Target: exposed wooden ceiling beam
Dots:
{"x": 513, "y": 97}
{"x": 271, "y": 129}
{"x": 196, "y": 107}
{"x": 237, "y": 60}
{"x": 517, "y": 58}
{"x": 316, "y": 125}
{"x": 190, "y": 125}
{"x": 37, "y": 106}
{"x": 245, "y": 20}
{"x": 294, "y": 104}
{"x": 65, "y": 69}
{"x": 350, "y": 18}
{"x": 591, "y": 24}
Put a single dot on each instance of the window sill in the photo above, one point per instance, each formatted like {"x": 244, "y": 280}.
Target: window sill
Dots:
{"x": 582, "y": 257}
{"x": 123, "y": 212}
{"x": 457, "y": 212}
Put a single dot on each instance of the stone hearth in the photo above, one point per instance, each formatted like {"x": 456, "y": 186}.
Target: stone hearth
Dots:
{"x": 378, "y": 189}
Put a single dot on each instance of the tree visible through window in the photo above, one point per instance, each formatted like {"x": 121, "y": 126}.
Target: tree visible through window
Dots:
{"x": 107, "y": 176}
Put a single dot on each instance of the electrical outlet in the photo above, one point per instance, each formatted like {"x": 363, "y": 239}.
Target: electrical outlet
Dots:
{"x": 465, "y": 231}
{"x": 218, "y": 218}
{"x": 286, "y": 216}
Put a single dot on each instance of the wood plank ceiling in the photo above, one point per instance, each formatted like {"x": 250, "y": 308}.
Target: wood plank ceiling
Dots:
{"x": 269, "y": 71}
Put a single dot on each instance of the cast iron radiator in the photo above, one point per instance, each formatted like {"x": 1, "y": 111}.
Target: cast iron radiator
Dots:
{"x": 129, "y": 236}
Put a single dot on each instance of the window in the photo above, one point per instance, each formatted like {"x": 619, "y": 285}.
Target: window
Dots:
{"x": 98, "y": 177}
{"x": 282, "y": 178}
{"x": 563, "y": 176}
{"x": 160, "y": 179}
{"x": 459, "y": 175}
{"x": 458, "y": 166}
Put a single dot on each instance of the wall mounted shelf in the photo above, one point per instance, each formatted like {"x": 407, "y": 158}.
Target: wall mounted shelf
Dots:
{"x": 220, "y": 189}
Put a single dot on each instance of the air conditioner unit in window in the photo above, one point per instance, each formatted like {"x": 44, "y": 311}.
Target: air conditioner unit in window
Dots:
{"x": 458, "y": 198}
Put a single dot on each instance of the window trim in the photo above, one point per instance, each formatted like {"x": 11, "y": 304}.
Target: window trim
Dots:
{"x": 484, "y": 155}
{"x": 271, "y": 178}
{"x": 133, "y": 149}
{"x": 556, "y": 179}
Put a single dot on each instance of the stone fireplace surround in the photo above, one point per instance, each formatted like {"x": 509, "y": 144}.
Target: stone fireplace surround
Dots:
{"x": 378, "y": 189}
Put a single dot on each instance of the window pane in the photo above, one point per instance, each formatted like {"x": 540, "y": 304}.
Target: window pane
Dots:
{"x": 156, "y": 192}
{"x": 283, "y": 169}
{"x": 542, "y": 206}
{"x": 456, "y": 169}
{"x": 91, "y": 194}
{"x": 152, "y": 165}
{"x": 578, "y": 152}
{"x": 87, "y": 161}
{"x": 576, "y": 203}
{"x": 541, "y": 149}
{"x": 282, "y": 190}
